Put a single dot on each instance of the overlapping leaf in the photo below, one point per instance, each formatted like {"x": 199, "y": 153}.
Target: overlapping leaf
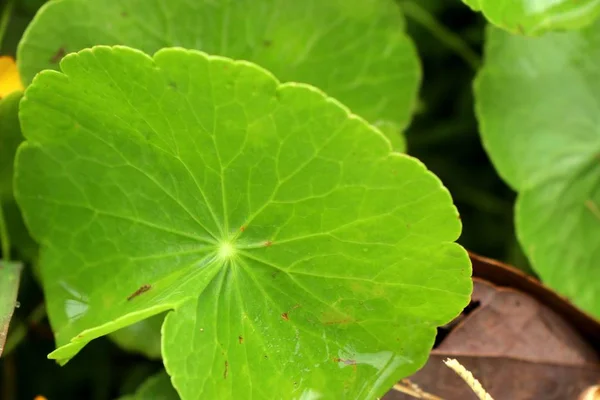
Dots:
{"x": 355, "y": 50}
{"x": 302, "y": 257}
{"x": 538, "y": 102}
{"x": 532, "y": 17}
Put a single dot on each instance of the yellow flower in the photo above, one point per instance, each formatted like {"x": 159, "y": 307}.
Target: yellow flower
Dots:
{"x": 9, "y": 76}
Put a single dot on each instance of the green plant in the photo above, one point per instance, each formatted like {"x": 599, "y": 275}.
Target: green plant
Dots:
{"x": 232, "y": 174}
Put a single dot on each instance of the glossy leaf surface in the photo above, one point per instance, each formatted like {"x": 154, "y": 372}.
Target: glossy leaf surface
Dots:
{"x": 354, "y": 50}
{"x": 532, "y": 17}
{"x": 301, "y": 256}
{"x": 538, "y": 102}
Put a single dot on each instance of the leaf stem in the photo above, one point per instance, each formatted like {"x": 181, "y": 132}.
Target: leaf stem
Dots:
{"x": 446, "y": 36}
{"x": 4, "y": 239}
{"x": 5, "y": 19}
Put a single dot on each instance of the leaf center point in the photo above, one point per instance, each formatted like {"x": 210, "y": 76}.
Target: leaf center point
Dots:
{"x": 226, "y": 250}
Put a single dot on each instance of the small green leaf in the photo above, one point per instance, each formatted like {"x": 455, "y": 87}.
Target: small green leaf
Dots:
{"x": 300, "y": 254}
{"x": 354, "y": 50}
{"x": 538, "y": 102}
{"x": 529, "y": 17}
{"x": 142, "y": 337}
{"x": 10, "y": 274}
{"x": 156, "y": 387}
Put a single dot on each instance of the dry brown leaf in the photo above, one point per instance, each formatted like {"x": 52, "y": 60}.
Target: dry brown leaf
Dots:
{"x": 517, "y": 345}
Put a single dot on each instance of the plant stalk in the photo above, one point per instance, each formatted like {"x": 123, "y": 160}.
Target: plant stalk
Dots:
{"x": 453, "y": 41}
{"x": 4, "y": 239}
{"x": 5, "y": 19}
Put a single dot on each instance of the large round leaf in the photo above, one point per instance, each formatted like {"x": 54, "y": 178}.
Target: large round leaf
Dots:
{"x": 533, "y": 17}
{"x": 300, "y": 254}
{"x": 538, "y": 102}
{"x": 355, "y": 50}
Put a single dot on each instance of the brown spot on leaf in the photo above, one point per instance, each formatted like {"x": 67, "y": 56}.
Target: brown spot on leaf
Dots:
{"x": 142, "y": 289}
{"x": 347, "y": 361}
{"x": 226, "y": 370}
{"x": 268, "y": 243}
{"x": 60, "y": 53}
{"x": 124, "y": 14}
{"x": 267, "y": 43}
{"x": 242, "y": 228}
{"x": 241, "y": 339}
{"x": 285, "y": 316}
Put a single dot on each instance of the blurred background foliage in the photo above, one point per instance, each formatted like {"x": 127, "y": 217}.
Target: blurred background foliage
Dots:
{"x": 443, "y": 135}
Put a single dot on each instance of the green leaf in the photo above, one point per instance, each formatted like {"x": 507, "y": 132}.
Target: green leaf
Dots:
{"x": 10, "y": 274}
{"x": 538, "y": 102}
{"x": 13, "y": 232}
{"x": 142, "y": 337}
{"x": 354, "y": 50}
{"x": 10, "y": 138}
{"x": 156, "y": 387}
{"x": 301, "y": 255}
{"x": 529, "y": 17}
